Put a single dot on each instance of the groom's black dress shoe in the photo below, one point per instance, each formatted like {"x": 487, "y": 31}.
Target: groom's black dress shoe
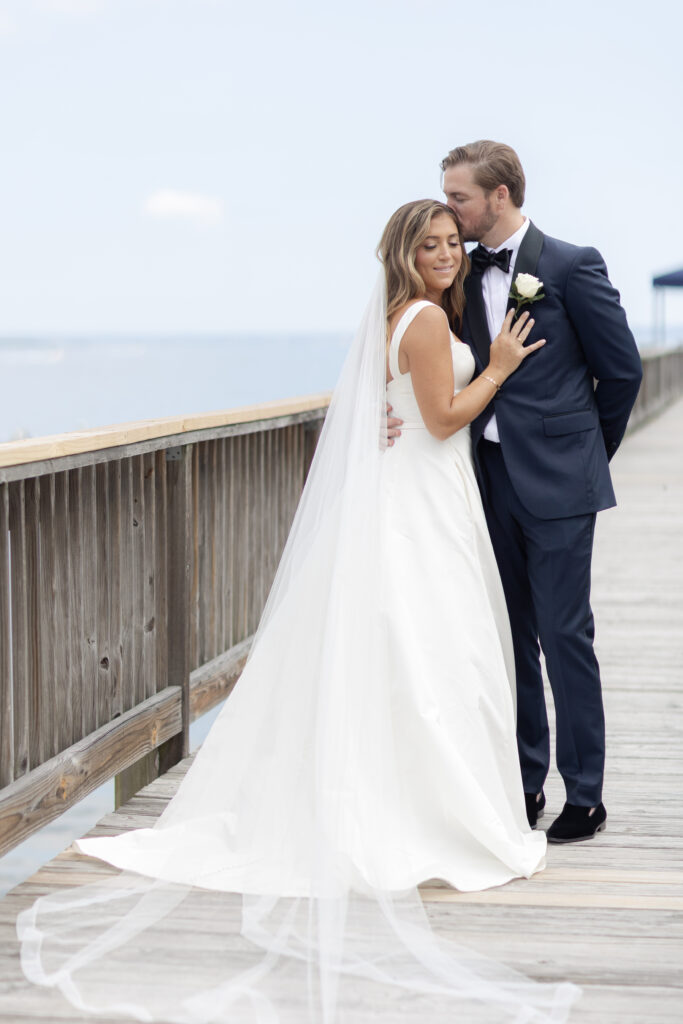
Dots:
{"x": 535, "y": 802}
{"x": 577, "y": 823}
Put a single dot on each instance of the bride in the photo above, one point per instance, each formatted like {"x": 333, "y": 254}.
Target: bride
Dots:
{"x": 369, "y": 745}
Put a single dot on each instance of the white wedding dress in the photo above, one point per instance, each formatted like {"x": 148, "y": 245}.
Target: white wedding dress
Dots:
{"x": 368, "y": 746}
{"x": 243, "y": 817}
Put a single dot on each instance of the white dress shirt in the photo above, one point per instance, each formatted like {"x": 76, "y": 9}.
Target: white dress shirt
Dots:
{"x": 495, "y": 287}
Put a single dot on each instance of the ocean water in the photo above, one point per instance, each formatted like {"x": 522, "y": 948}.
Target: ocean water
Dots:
{"x": 58, "y": 384}
{"x": 55, "y": 385}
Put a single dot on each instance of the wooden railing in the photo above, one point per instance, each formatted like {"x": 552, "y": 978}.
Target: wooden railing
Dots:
{"x": 134, "y": 565}
{"x": 662, "y": 384}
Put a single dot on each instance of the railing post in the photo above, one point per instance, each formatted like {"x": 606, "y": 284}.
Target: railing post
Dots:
{"x": 6, "y": 688}
{"x": 177, "y": 553}
{"x": 180, "y": 535}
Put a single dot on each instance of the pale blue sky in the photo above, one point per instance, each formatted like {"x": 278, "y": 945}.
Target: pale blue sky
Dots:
{"x": 216, "y": 165}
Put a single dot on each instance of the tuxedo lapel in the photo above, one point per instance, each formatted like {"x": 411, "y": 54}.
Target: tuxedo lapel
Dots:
{"x": 476, "y": 316}
{"x": 527, "y": 260}
{"x": 528, "y": 255}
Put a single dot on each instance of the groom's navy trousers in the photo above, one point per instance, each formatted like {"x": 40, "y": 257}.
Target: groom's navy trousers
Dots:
{"x": 560, "y": 417}
{"x": 545, "y": 570}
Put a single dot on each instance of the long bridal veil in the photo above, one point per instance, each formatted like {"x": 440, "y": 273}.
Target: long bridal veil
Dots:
{"x": 243, "y": 903}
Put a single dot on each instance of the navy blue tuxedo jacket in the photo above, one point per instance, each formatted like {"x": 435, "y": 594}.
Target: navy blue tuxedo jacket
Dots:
{"x": 558, "y": 428}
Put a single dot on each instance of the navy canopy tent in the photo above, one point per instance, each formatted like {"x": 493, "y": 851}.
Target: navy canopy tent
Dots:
{"x": 659, "y": 283}
{"x": 672, "y": 280}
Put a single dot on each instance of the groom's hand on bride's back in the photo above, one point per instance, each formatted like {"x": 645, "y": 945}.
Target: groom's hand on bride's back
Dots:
{"x": 393, "y": 427}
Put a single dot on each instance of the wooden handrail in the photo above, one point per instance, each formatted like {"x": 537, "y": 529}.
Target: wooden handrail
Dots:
{"x": 55, "y": 446}
{"x": 662, "y": 384}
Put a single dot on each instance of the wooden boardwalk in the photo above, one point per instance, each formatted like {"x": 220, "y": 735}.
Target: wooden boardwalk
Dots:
{"x": 607, "y": 914}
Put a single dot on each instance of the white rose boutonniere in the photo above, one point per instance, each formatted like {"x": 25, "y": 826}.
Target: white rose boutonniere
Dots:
{"x": 526, "y": 289}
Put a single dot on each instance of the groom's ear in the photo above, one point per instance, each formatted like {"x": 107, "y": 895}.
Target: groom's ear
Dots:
{"x": 502, "y": 195}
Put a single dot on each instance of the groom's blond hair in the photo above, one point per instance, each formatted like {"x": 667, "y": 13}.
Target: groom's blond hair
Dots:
{"x": 493, "y": 164}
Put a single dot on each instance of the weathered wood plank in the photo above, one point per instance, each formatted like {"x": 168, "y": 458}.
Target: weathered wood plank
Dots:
{"x": 127, "y": 589}
{"x": 296, "y": 470}
{"x": 6, "y": 687}
{"x": 103, "y": 593}
{"x": 43, "y": 715}
{"x": 240, "y": 484}
{"x": 26, "y": 471}
{"x": 20, "y": 630}
{"x": 541, "y": 898}
{"x": 204, "y": 555}
{"x": 230, "y": 498}
{"x": 260, "y": 561}
{"x": 223, "y": 574}
{"x": 59, "y": 446}
{"x": 115, "y": 593}
{"x": 212, "y": 683}
{"x": 180, "y": 575}
{"x": 75, "y": 582}
{"x": 61, "y": 781}
{"x": 39, "y": 738}
{"x": 138, "y": 521}
{"x": 93, "y": 583}
{"x": 195, "y": 610}
{"x": 161, "y": 574}
{"x": 214, "y": 538}
{"x": 148, "y": 572}
{"x": 289, "y": 480}
{"x": 273, "y": 495}
{"x": 283, "y": 488}
{"x": 63, "y": 679}
{"x": 254, "y": 528}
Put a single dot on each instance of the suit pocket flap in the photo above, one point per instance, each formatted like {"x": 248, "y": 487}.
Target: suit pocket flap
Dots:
{"x": 569, "y": 423}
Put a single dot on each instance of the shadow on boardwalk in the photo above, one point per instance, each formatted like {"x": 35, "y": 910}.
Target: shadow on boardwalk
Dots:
{"x": 607, "y": 914}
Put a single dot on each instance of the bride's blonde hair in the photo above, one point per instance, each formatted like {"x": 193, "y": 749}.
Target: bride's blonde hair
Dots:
{"x": 404, "y": 234}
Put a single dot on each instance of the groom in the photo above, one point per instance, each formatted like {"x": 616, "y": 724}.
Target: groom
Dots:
{"x": 541, "y": 450}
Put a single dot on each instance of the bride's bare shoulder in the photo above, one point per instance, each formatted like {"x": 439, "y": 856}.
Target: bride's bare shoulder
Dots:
{"x": 429, "y": 325}
{"x": 428, "y": 317}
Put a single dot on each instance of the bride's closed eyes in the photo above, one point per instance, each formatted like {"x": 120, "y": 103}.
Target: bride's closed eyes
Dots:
{"x": 452, "y": 243}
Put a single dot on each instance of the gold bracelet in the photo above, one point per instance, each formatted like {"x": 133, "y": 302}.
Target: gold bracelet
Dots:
{"x": 491, "y": 381}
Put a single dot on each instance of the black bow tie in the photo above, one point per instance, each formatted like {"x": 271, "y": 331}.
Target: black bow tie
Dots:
{"x": 482, "y": 259}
